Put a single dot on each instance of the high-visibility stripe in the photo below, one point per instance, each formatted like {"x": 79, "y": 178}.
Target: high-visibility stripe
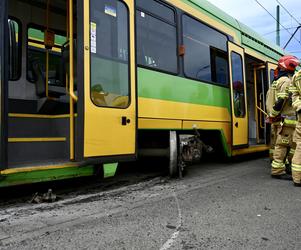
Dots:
{"x": 293, "y": 89}
{"x": 278, "y": 165}
{"x": 282, "y": 95}
{"x": 296, "y": 167}
{"x": 297, "y": 103}
{"x": 292, "y": 151}
{"x": 275, "y": 113}
{"x": 290, "y": 122}
{"x": 274, "y": 84}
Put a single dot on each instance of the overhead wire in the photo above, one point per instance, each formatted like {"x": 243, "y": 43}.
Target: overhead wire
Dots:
{"x": 287, "y": 11}
{"x": 277, "y": 21}
{"x": 274, "y": 31}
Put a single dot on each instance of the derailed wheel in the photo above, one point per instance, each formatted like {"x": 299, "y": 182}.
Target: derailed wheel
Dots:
{"x": 173, "y": 154}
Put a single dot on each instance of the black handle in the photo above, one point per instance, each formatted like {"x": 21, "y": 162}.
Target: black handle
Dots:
{"x": 125, "y": 121}
{"x": 236, "y": 124}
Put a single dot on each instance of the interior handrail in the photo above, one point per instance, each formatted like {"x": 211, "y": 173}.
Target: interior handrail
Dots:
{"x": 262, "y": 111}
{"x": 73, "y": 97}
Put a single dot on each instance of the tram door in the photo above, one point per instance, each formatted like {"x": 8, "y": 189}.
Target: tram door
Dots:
{"x": 109, "y": 72}
{"x": 260, "y": 89}
{"x": 3, "y": 36}
{"x": 238, "y": 96}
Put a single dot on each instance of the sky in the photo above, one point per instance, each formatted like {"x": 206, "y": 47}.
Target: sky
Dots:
{"x": 252, "y": 14}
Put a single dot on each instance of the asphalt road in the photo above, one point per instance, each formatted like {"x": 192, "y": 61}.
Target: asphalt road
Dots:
{"x": 216, "y": 206}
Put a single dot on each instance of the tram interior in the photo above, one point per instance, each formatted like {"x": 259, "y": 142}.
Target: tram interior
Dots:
{"x": 38, "y": 84}
{"x": 257, "y": 87}
{"x": 27, "y": 90}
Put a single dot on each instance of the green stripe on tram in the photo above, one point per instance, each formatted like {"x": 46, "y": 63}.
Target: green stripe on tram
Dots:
{"x": 156, "y": 85}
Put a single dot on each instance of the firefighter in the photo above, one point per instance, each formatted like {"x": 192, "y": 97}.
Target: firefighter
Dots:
{"x": 296, "y": 96}
{"x": 283, "y": 112}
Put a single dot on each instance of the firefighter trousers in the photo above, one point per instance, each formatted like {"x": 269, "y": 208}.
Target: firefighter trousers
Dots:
{"x": 296, "y": 162}
{"x": 284, "y": 148}
{"x": 272, "y": 140}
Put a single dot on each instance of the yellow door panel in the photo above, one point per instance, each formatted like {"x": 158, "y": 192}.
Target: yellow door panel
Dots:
{"x": 238, "y": 95}
{"x": 110, "y": 87}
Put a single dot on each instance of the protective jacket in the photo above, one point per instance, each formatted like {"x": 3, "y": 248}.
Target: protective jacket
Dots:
{"x": 295, "y": 89}
{"x": 283, "y": 101}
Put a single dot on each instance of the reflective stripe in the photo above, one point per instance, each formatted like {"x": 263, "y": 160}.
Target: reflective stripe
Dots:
{"x": 285, "y": 141}
{"x": 278, "y": 165}
{"x": 297, "y": 103}
{"x": 275, "y": 113}
{"x": 296, "y": 167}
{"x": 293, "y": 89}
{"x": 290, "y": 122}
{"x": 292, "y": 151}
{"x": 282, "y": 95}
{"x": 274, "y": 84}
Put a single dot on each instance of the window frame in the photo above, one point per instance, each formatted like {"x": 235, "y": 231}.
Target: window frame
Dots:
{"x": 226, "y": 52}
{"x": 20, "y": 37}
{"x": 175, "y": 24}
{"x": 271, "y": 75}
{"x": 221, "y": 54}
{"x": 129, "y": 60}
{"x": 244, "y": 84}
{"x": 38, "y": 27}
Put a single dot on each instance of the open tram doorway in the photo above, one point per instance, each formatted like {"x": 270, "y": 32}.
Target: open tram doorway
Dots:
{"x": 72, "y": 91}
{"x": 257, "y": 87}
{"x": 42, "y": 82}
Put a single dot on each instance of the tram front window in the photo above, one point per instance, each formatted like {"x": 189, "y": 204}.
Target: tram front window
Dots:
{"x": 109, "y": 39}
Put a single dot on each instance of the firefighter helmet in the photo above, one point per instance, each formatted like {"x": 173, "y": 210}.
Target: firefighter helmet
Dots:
{"x": 288, "y": 63}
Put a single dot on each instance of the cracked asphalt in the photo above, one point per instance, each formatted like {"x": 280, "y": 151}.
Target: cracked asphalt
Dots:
{"x": 224, "y": 205}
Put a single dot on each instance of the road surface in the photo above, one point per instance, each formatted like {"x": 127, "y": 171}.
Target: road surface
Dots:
{"x": 228, "y": 205}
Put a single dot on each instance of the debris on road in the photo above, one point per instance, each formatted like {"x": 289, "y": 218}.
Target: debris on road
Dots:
{"x": 46, "y": 197}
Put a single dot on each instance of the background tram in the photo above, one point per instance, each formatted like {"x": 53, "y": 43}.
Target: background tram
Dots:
{"x": 87, "y": 84}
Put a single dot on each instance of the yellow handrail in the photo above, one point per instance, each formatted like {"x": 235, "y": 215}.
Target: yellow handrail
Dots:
{"x": 47, "y": 73}
{"x": 73, "y": 97}
{"x": 262, "y": 111}
{"x": 47, "y": 51}
{"x": 261, "y": 123}
{"x": 256, "y": 111}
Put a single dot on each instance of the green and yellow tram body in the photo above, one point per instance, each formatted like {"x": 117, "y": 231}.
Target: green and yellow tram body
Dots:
{"x": 87, "y": 84}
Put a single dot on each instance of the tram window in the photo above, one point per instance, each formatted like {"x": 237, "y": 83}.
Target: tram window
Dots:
{"x": 109, "y": 53}
{"x": 219, "y": 66}
{"x": 158, "y": 9}
{"x": 15, "y": 46}
{"x": 272, "y": 71}
{"x": 238, "y": 85}
{"x": 205, "y": 56}
{"x": 156, "y": 43}
{"x": 36, "y": 53}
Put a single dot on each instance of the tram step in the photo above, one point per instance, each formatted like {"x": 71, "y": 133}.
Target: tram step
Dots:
{"x": 31, "y": 150}
{"x": 37, "y": 126}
